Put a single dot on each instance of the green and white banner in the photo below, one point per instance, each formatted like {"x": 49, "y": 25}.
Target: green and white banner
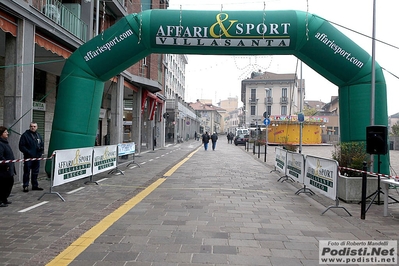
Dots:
{"x": 72, "y": 164}
{"x": 281, "y": 159}
{"x": 295, "y": 166}
{"x": 321, "y": 175}
{"x": 104, "y": 158}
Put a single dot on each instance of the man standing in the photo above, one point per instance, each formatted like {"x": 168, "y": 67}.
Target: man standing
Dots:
{"x": 214, "y": 138}
{"x": 205, "y": 140}
{"x": 32, "y": 146}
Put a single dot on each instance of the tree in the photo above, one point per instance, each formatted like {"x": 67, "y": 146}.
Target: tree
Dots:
{"x": 309, "y": 111}
{"x": 395, "y": 129}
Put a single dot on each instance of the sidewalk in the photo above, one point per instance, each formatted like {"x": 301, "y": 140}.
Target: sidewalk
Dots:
{"x": 221, "y": 207}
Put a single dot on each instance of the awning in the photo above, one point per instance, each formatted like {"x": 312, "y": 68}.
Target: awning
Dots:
{"x": 8, "y": 23}
{"x": 153, "y": 101}
{"x": 52, "y": 46}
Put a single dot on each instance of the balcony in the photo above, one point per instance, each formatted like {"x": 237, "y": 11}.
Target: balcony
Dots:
{"x": 66, "y": 17}
{"x": 284, "y": 100}
{"x": 253, "y": 101}
{"x": 269, "y": 100}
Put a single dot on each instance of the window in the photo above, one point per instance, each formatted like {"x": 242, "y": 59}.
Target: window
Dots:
{"x": 269, "y": 92}
{"x": 145, "y": 5}
{"x": 253, "y": 95}
{"x": 253, "y": 110}
{"x": 284, "y": 92}
{"x": 283, "y": 110}
{"x": 269, "y": 110}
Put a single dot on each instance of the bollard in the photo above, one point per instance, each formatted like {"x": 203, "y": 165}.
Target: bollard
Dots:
{"x": 364, "y": 191}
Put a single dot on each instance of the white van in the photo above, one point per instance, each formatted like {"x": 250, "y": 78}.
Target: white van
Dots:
{"x": 244, "y": 131}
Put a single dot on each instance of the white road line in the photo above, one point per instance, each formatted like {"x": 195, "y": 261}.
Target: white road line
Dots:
{"x": 157, "y": 157}
{"x": 143, "y": 162}
{"x": 34, "y": 206}
{"x": 101, "y": 180}
{"x": 75, "y": 190}
{"x": 150, "y": 160}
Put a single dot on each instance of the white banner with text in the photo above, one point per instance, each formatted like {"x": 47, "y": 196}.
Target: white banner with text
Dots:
{"x": 321, "y": 174}
{"x": 296, "y": 166}
{"x": 72, "y": 164}
{"x": 281, "y": 159}
{"x": 104, "y": 158}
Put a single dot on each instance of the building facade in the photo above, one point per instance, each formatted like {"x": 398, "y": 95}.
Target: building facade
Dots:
{"x": 209, "y": 116}
{"x": 181, "y": 121}
{"x": 36, "y": 37}
{"x": 271, "y": 94}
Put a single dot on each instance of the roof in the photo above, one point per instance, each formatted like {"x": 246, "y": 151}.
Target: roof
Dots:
{"x": 199, "y": 106}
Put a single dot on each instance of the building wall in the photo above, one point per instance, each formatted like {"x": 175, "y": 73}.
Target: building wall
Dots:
{"x": 269, "y": 96}
{"x": 18, "y": 51}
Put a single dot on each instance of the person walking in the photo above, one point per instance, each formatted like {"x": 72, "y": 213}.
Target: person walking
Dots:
{"x": 230, "y": 137}
{"x": 205, "y": 140}
{"x": 32, "y": 146}
{"x": 214, "y": 138}
{"x": 7, "y": 170}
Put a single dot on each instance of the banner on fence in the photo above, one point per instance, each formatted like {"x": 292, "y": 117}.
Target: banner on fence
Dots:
{"x": 126, "y": 148}
{"x": 322, "y": 174}
{"x": 295, "y": 166}
{"x": 72, "y": 164}
{"x": 281, "y": 158}
{"x": 104, "y": 158}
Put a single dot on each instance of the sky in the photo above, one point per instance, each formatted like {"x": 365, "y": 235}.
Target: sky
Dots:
{"x": 219, "y": 77}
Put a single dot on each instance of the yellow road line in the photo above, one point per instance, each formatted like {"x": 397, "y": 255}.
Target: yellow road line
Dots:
{"x": 85, "y": 240}
{"x": 77, "y": 247}
{"x": 174, "y": 168}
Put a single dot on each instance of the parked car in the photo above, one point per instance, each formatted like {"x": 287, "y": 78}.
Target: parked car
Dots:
{"x": 241, "y": 139}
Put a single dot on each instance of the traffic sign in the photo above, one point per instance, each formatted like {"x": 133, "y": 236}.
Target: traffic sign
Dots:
{"x": 301, "y": 117}
{"x": 266, "y": 121}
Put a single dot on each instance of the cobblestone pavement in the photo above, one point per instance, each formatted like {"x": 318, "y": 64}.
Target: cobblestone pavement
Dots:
{"x": 222, "y": 207}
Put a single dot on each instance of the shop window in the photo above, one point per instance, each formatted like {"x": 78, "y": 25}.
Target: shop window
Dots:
{"x": 39, "y": 86}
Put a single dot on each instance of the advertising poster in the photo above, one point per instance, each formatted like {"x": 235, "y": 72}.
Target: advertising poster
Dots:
{"x": 321, "y": 175}
{"x": 126, "y": 148}
{"x": 104, "y": 158}
{"x": 295, "y": 166}
{"x": 281, "y": 157}
{"x": 72, "y": 164}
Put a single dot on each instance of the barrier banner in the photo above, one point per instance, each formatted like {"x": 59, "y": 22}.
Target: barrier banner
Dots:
{"x": 104, "y": 158}
{"x": 126, "y": 148}
{"x": 72, "y": 164}
{"x": 322, "y": 174}
{"x": 295, "y": 166}
{"x": 281, "y": 158}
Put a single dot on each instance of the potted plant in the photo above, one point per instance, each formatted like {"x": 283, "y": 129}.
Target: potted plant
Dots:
{"x": 352, "y": 155}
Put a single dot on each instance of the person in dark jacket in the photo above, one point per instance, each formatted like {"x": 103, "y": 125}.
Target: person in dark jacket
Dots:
{"x": 32, "y": 146}
{"x": 205, "y": 140}
{"x": 214, "y": 138}
{"x": 7, "y": 170}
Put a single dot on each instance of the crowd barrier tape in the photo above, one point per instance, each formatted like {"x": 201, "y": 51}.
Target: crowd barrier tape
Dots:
{"x": 27, "y": 159}
{"x": 396, "y": 178}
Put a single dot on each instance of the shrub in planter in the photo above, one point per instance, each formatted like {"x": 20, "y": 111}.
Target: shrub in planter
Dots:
{"x": 290, "y": 147}
{"x": 351, "y": 155}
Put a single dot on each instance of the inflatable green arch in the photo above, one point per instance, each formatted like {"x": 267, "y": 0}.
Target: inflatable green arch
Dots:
{"x": 309, "y": 37}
